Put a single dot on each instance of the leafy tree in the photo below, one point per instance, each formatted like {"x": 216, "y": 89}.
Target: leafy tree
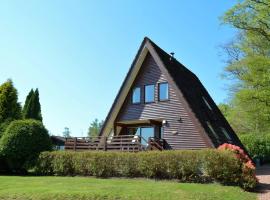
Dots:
{"x": 32, "y": 108}
{"x": 248, "y": 65}
{"x": 10, "y": 109}
{"x": 95, "y": 128}
{"x": 66, "y": 132}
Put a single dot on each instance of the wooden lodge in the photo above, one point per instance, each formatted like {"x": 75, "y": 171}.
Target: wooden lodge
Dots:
{"x": 160, "y": 105}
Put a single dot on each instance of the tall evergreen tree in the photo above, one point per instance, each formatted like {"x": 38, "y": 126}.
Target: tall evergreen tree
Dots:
{"x": 32, "y": 108}
{"x": 26, "y": 108}
{"x": 10, "y": 109}
{"x": 37, "y": 107}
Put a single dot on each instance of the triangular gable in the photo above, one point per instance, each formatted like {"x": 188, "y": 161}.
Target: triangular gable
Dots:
{"x": 146, "y": 47}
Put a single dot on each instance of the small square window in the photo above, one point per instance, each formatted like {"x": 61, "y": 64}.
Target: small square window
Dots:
{"x": 149, "y": 93}
{"x": 163, "y": 91}
{"x": 136, "y": 95}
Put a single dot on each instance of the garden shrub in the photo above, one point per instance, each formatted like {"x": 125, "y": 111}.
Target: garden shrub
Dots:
{"x": 257, "y": 145}
{"x": 186, "y": 166}
{"x": 22, "y": 142}
{"x": 222, "y": 166}
{"x": 248, "y": 178}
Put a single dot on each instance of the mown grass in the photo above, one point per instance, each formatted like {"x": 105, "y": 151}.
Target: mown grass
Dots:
{"x": 85, "y": 188}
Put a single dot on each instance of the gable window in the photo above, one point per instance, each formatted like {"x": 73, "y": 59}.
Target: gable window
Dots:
{"x": 206, "y": 103}
{"x": 212, "y": 130}
{"x": 163, "y": 91}
{"x": 149, "y": 93}
{"x": 224, "y": 131}
{"x": 136, "y": 95}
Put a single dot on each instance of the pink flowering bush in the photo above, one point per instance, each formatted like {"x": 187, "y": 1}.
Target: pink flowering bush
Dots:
{"x": 249, "y": 179}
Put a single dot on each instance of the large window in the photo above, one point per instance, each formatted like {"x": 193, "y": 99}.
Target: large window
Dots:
{"x": 163, "y": 91}
{"x": 149, "y": 93}
{"x": 136, "y": 95}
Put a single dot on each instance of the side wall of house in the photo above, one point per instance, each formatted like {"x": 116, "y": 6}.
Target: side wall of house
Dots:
{"x": 180, "y": 131}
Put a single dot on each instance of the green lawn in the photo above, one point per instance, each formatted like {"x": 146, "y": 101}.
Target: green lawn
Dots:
{"x": 59, "y": 188}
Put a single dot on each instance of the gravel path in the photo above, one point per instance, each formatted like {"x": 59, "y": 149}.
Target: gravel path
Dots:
{"x": 263, "y": 174}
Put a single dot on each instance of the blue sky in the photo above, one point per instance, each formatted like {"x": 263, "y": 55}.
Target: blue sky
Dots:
{"x": 78, "y": 52}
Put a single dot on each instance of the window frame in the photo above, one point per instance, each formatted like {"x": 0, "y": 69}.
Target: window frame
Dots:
{"x": 161, "y": 100}
{"x": 211, "y": 128}
{"x": 144, "y": 92}
{"x": 225, "y": 132}
{"x": 140, "y": 97}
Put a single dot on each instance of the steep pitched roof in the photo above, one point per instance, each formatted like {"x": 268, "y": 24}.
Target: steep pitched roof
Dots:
{"x": 194, "y": 92}
{"x": 191, "y": 88}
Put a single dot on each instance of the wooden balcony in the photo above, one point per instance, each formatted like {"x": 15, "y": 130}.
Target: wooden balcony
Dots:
{"x": 130, "y": 143}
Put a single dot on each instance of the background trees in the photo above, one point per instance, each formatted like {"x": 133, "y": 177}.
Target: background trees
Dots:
{"x": 248, "y": 67}
{"x": 22, "y": 134}
{"x": 66, "y": 132}
{"x": 95, "y": 128}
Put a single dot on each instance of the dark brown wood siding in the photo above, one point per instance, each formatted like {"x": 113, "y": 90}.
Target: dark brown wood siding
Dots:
{"x": 180, "y": 132}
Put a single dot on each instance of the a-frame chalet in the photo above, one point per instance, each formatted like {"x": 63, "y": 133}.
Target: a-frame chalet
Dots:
{"x": 161, "y": 101}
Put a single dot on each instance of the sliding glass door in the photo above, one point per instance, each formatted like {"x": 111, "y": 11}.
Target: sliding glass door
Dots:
{"x": 147, "y": 132}
{"x": 144, "y": 132}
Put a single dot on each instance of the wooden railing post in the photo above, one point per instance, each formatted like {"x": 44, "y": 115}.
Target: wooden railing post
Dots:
{"x": 105, "y": 143}
{"x": 75, "y": 144}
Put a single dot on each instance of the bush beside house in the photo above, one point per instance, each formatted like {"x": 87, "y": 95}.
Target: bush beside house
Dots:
{"x": 187, "y": 166}
{"x": 22, "y": 142}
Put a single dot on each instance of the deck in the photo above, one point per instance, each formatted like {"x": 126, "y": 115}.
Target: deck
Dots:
{"x": 130, "y": 143}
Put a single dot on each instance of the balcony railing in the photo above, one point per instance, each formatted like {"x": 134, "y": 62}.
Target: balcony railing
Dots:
{"x": 131, "y": 143}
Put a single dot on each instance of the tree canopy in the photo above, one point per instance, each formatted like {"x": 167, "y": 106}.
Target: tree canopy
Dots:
{"x": 10, "y": 108}
{"x": 95, "y": 128}
{"x": 248, "y": 66}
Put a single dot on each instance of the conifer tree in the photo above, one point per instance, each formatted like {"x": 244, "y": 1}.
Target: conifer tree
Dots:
{"x": 25, "y": 111}
{"x": 10, "y": 108}
{"x": 32, "y": 108}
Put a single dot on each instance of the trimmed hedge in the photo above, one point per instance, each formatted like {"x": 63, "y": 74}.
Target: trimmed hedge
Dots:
{"x": 186, "y": 166}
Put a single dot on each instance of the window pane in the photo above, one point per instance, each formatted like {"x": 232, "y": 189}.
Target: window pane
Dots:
{"x": 226, "y": 133}
{"x": 133, "y": 131}
{"x": 163, "y": 91}
{"x": 136, "y": 96}
{"x": 212, "y": 130}
{"x": 206, "y": 103}
{"x": 149, "y": 94}
{"x": 146, "y": 133}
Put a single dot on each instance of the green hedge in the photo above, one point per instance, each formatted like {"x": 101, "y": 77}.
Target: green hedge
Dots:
{"x": 186, "y": 166}
{"x": 258, "y": 145}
